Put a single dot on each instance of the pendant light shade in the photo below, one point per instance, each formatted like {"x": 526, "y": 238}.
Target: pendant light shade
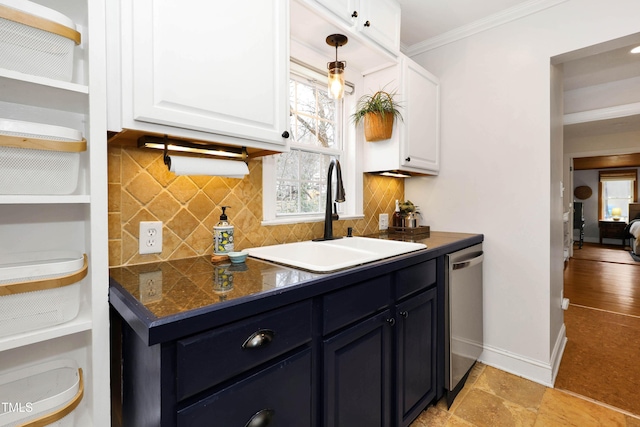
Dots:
{"x": 336, "y": 68}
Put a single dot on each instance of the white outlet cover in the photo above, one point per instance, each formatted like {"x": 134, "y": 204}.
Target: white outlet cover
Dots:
{"x": 383, "y": 221}
{"x": 150, "y": 237}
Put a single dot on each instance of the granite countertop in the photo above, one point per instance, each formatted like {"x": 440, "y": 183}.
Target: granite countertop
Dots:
{"x": 192, "y": 283}
{"x": 163, "y": 292}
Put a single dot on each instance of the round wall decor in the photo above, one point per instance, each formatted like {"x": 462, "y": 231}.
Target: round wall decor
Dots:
{"x": 582, "y": 192}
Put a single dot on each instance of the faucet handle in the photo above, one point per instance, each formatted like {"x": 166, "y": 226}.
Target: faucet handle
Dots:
{"x": 349, "y": 231}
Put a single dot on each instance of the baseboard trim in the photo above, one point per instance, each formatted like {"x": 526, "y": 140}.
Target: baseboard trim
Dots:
{"x": 535, "y": 370}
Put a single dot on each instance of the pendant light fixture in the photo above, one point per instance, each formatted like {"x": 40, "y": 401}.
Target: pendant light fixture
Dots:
{"x": 336, "y": 68}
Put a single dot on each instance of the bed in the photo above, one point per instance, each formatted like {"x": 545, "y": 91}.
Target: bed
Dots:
{"x": 633, "y": 228}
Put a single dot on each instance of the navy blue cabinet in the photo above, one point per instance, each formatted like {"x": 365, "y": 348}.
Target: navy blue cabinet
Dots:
{"x": 360, "y": 351}
{"x": 279, "y": 395}
{"x": 416, "y": 355}
{"x": 357, "y": 374}
{"x": 381, "y": 371}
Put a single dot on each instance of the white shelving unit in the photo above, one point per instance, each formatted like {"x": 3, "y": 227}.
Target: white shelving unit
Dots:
{"x": 74, "y": 222}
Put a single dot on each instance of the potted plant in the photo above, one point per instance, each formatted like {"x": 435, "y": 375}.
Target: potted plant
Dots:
{"x": 378, "y": 112}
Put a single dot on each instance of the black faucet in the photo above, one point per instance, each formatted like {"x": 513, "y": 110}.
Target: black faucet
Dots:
{"x": 329, "y": 215}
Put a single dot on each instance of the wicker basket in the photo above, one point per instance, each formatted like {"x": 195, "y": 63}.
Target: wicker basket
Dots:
{"x": 39, "y": 159}
{"x": 378, "y": 127}
{"x": 41, "y": 395}
{"x": 39, "y": 289}
{"x": 36, "y": 40}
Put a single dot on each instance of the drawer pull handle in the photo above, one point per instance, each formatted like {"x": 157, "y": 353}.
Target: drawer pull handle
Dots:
{"x": 404, "y": 314}
{"x": 391, "y": 321}
{"x": 259, "y": 338}
{"x": 262, "y": 418}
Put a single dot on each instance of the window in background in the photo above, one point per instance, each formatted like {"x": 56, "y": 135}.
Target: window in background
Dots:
{"x": 315, "y": 126}
{"x": 617, "y": 189}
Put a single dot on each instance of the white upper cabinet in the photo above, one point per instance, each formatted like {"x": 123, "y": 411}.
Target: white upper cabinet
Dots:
{"x": 414, "y": 146}
{"x": 345, "y": 9}
{"x": 211, "y": 70}
{"x": 380, "y": 20}
{"x": 377, "y": 19}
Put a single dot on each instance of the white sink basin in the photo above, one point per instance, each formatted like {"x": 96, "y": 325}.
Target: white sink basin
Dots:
{"x": 332, "y": 255}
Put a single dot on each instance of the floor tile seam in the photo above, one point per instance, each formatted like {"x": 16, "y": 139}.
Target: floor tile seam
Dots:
{"x": 596, "y": 402}
{"x": 634, "y": 264}
{"x": 604, "y": 311}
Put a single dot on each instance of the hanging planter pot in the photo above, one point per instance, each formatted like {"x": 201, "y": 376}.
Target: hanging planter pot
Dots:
{"x": 378, "y": 127}
{"x": 378, "y": 112}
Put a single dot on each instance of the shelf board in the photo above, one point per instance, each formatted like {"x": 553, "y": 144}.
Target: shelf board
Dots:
{"x": 43, "y": 92}
{"x": 28, "y": 199}
{"x": 79, "y": 324}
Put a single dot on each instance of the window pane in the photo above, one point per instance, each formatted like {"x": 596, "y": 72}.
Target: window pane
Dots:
{"x": 326, "y": 134}
{"x": 306, "y": 130}
{"x": 287, "y": 197}
{"x": 616, "y": 194}
{"x": 310, "y": 197}
{"x": 311, "y": 164}
{"x": 287, "y": 166}
{"x": 326, "y": 106}
{"x": 306, "y": 99}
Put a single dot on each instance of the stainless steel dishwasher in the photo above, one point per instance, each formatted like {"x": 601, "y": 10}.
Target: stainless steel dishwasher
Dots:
{"x": 463, "y": 316}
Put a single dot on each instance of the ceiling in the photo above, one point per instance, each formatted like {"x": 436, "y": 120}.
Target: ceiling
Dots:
{"x": 429, "y": 20}
{"x": 426, "y": 19}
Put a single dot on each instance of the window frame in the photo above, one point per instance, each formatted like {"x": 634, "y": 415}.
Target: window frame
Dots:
{"x": 621, "y": 175}
{"x": 352, "y": 173}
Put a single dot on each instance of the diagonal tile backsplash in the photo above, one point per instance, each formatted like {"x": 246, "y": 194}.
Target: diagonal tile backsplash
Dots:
{"x": 142, "y": 189}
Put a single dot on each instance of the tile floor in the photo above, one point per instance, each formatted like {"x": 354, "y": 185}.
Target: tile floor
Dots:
{"x": 494, "y": 398}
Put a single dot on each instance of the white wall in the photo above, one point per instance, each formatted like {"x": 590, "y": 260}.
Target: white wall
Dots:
{"x": 500, "y": 174}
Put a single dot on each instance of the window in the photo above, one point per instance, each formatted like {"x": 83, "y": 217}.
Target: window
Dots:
{"x": 315, "y": 138}
{"x": 294, "y": 183}
{"x": 617, "y": 189}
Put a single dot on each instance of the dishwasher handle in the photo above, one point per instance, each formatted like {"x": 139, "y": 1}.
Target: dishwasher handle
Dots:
{"x": 474, "y": 259}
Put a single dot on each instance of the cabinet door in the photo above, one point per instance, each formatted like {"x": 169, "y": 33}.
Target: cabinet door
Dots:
{"x": 212, "y": 66}
{"x": 357, "y": 374}
{"x": 416, "y": 363}
{"x": 277, "y": 396}
{"x": 420, "y": 143}
{"x": 380, "y": 21}
{"x": 343, "y": 8}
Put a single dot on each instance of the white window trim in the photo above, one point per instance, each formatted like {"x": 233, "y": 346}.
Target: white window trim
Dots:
{"x": 352, "y": 178}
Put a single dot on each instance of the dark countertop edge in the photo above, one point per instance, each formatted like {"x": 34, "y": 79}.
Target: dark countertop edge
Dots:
{"x": 155, "y": 331}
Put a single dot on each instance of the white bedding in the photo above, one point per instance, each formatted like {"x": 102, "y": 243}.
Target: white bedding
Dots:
{"x": 634, "y": 229}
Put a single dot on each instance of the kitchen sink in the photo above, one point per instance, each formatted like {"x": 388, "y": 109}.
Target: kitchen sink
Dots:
{"x": 331, "y": 255}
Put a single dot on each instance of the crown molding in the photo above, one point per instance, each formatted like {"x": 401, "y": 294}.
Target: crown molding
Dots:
{"x": 503, "y": 17}
{"x": 602, "y": 114}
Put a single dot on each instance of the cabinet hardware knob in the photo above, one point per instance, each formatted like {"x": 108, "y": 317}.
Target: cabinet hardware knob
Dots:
{"x": 354, "y": 14}
{"x": 285, "y": 134}
{"x": 391, "y": 321}
{"x": 259, "y": 338}
{"x": 408, "y": 159}
{"x": 262, "y": 418}
{"x": 367, "y": 24}
{"x": 404, "y": 314}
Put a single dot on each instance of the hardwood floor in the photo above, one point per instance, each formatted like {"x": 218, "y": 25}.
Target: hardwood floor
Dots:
{"x": 603, "y": 277}
{"x": 600, "y": 360}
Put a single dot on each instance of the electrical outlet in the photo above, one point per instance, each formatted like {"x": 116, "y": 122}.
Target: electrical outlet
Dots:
{"x": 150, "y": 238}
{"x": 383, "y": 221}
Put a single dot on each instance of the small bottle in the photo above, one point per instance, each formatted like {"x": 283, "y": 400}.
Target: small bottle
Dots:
{"x": 223, "y": 235}
{"x": 397, "y": 217}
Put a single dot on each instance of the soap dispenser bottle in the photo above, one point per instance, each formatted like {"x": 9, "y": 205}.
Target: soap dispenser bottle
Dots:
{"x": 397, "y": 217}
{"x": 223, "y": 235}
